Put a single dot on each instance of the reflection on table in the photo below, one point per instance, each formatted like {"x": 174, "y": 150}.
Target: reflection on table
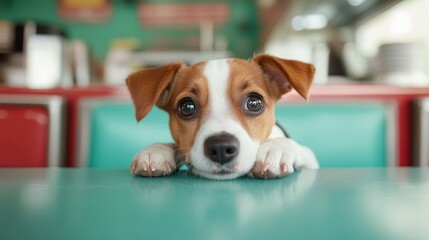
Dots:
{"x": 368, "y": 203}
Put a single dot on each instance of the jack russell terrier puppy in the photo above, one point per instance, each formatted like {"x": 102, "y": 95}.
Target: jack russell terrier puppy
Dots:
{"x": 222, "y": 117}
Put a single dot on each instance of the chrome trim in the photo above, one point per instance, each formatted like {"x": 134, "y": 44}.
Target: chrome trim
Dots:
{"x": 392, "y": 125}
{"x": 420, "y": 131}
{"x": 83, "y": 143}
{"x": 56, "y": 107}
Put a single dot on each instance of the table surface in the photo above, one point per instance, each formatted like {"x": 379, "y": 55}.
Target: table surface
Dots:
{"x": 373, "y": 203}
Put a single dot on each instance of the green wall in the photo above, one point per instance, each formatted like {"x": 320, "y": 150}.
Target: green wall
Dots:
{"x": 241, "y": 31}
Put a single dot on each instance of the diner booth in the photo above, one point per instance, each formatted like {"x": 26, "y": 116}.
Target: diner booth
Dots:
{"x": 361, "y": 82}
{"x": 364, "y": 100}
{"x": 68, "y": 131}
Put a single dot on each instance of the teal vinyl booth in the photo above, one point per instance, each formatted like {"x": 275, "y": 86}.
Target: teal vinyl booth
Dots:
{"x": 350, "y": 134}
{"x": 109, "y": 135}
{"x": 342, "y": 134}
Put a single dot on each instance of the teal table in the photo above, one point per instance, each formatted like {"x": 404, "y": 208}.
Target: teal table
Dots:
{"x": 374, "y": 203}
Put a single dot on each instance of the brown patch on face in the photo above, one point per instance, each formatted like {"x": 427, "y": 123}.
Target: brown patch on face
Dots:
{"x": 245, "y": 78}
{"x": 189, "y": 82}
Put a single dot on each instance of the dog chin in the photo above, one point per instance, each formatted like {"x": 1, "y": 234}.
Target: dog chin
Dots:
{"x": 218, "y": 175}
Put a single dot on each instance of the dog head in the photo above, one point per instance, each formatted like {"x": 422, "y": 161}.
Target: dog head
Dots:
{"x": 221, "y": 110}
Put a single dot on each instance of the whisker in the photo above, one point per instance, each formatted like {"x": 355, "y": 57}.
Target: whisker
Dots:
{"x": 188, "y": 169}
{"x": 181, "y": 158}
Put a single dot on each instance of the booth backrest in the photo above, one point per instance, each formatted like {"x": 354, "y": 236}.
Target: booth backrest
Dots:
{"x": 109, "y": 135}
{"x": 354, "y": 134}
{"x": 360, "y": 134}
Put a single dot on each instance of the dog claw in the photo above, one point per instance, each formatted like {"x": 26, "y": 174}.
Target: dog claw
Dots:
{"x": 150, "y": 169}
{"x": 168, "y": 167}
{"x": 265, "y": 167}
{"x": 264, "y": 171}
{"x": 152, "y": 161}
{"x": 283, "y": 167}
{"x": 152, "y": 166}
{"x": 133, "y": 167}
{"x": 144, "y": 166}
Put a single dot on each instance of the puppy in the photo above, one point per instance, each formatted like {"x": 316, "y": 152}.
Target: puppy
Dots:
{"x": 222, "y": 117}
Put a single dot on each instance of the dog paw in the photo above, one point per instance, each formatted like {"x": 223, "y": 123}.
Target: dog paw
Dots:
{"x": 275, "y": 158}
{"x": 154, "y": 161}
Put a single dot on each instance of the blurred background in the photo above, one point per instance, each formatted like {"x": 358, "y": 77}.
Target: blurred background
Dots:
{"x": 63, "y": 65}
{"x": 101, "y": 41}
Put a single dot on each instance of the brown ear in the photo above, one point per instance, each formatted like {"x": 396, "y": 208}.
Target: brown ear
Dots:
{"x": 146, "y": 86}
{"x": 286, "y": 74}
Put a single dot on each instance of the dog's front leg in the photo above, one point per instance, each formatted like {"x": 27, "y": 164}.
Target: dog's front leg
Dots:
{"x": 154, "y": 161}
{"x": 280, "y": 156}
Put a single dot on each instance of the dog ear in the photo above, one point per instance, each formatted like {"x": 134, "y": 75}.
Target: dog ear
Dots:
{"x": 147, "y": 86}
{"x": 284, "y": 74}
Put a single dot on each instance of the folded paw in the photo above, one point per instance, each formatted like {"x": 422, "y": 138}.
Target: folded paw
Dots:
{"x": 275, "y": 158}
{"x": 154, "y": 161}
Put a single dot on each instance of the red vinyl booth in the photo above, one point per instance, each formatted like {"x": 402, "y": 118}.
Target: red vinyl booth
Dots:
{"x": 72, "y": 97}
{"x": 31, "y": 131}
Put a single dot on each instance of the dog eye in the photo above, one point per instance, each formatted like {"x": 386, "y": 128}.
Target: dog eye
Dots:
{"x": 254, "y": 104}
{"x": 187, "y": 108}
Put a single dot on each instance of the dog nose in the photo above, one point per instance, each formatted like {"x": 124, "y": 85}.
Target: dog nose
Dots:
{"x": 221, "y": 148}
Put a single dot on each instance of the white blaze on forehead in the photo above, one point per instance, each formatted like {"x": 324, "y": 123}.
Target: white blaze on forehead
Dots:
{"x": 219, "y": 119}
{"x": 217, "y": 74}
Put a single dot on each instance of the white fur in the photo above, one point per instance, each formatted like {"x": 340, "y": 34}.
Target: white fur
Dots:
{"x": 154, "y": 157}
{"x": 277, "y": 132}
{"x": 279, "y": 149}
{"x": 282, "y": 150}
{"x": 220, "y": 119}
